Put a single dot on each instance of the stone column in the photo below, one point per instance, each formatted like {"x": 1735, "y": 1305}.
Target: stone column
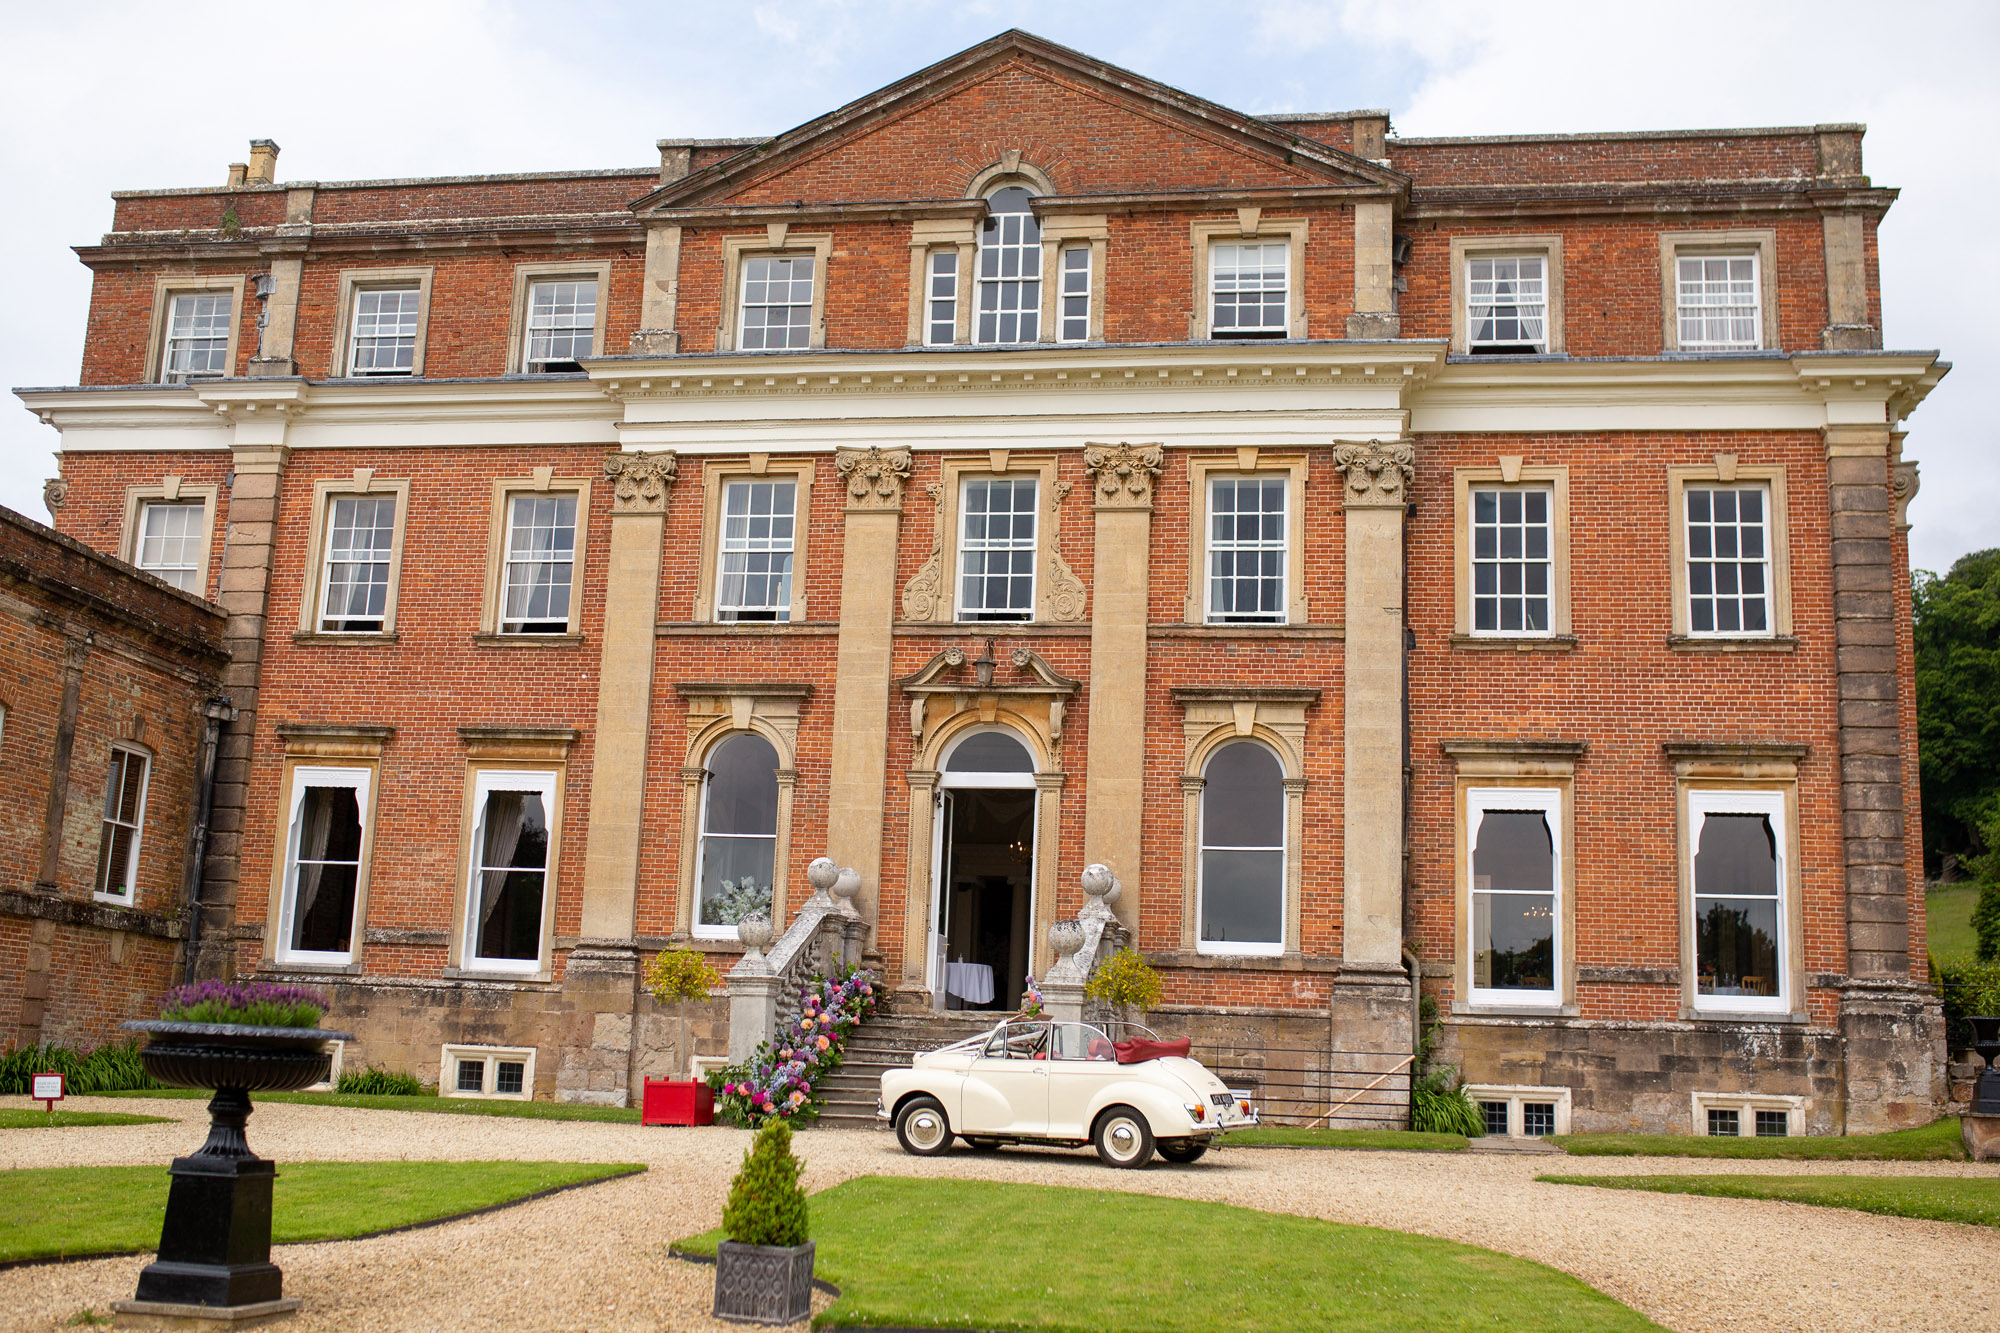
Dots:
{"x": 874, "y": 479}
{"x": 1370, "y": 1004}
{"x": 1374, "y": 271}
{"x": 1115, "y": 786}
{"x": 657, "y": 335}
{"x": 1893, "y": 1075}
{"x": 600, "y": 980}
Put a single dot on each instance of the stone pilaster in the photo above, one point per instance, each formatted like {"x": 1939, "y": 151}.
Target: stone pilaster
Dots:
{"x": 1115, "y": 794}
{"x": 280, "y": 320}
{"x": 1374, "y": 272}
{"x": 660, "y": 296}
{"x": 48, "y": 873}
{"x": 1377, "y": 478}
{"x": 874, "y": 481}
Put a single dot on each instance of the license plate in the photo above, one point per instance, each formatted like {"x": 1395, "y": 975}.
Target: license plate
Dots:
{"x": 1225, "y": 1100}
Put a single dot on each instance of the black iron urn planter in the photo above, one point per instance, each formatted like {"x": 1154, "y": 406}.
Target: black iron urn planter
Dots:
{"x": 763, "y": 1284}
{"x": 215, "y": 1244}
{"x": 1986, "y": 1044}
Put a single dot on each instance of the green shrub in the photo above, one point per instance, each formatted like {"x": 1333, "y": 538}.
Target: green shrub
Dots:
{"x": 1438, "y": 1105}
{"x": 1124, "y": 980}
{"x": 1966, "y": 989}
{"x": 766, "y": 1205}
{"x": 375, "y": 1081}
{"x": 111, "y": 1068}
{"x": 250, "y": 1003}
{"x": 1986, "y": 921}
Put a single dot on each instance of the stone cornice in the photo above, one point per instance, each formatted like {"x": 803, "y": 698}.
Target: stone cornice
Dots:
{"x": 1229, "y": 694}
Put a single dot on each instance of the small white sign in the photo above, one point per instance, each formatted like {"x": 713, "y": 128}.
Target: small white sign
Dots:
{"x": 48, "y": 1087}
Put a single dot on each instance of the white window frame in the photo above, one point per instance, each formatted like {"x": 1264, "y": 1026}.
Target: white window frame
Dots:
{"x": 1028, "y": 313}
{"x": 1031, "y": 545}
{"x": 505, "y": 625}
{"x": 1768, "y": 561}
{"x": 1547, "y": 800}
{"x": 1515, "y": 1095}
{"x": 415, "y": 317}
{"x": 744, "y": 305}
{"x": 1769, "y": 802}
{"x": 359, "y": 780}
{"x": 782, "y": 609}
{"x": 125, "y": 896}
{"x": 1729, "y": 311}
{"x": 490, "y": 1056}
{"x": 1073, "y": 285}
{"x": 1243, "y": 948}
{"x": 196, "y": 567}
{"x": 697, "y": 928}
{"x": 1282, "y": 545}
{"x": 227, "y": 301}
{"x": 1550, "y": 522}
{"x": 389, "y": 561}
{"x": 941, "y": 297}
{"x": 1746, "y": 1105}
{"x": 1518, "y": 305}
{"x": 589, "y": 327}
{"x": 485, "y": 783}
{"x": 1265, "y": 245}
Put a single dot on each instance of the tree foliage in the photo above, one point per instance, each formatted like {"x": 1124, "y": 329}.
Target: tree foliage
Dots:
{"x": 1957, "y": 640}
{"x": 766, "y": 1205}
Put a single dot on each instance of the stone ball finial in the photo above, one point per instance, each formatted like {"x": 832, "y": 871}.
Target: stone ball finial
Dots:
{"x": 755, "y": 930}
{"x": 846, "y": 883}
{"x": 1065, "y": 937}
{"x": 1098, "y": 879}
{"x": 822, "y": 873}
{"x": 1115, "y": 892}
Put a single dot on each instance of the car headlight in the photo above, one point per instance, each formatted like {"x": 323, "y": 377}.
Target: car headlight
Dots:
{"x": 1196, "y": 1111}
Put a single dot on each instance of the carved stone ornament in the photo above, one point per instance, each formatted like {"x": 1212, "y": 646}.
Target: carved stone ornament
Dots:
{"x": 54, "y": 492}
{"x": 640, "y": 482}
{"x": 1124, "y": 474}
{"x": 874, "y": 477}
{"x": 1065, "y": 593}
{"x": 1904, "y": 482}
{"x": 1377, "y": 473}
{"x": 923, "y": 595}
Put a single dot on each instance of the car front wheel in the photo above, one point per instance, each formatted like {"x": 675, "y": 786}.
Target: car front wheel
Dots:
{"x": 922, "y": 1129}
{"x": 1123, "y": 1138}
{"x": 1183, "y": 1150}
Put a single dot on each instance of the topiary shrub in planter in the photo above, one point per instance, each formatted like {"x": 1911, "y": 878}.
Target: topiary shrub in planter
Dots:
{"x": 763, "y": 1272}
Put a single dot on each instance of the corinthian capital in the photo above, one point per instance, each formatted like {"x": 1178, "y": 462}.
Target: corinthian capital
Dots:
{"x": 1123, "y": 474}
{"x": 874, "y": 477}
{"x": 640, "y": 482}
{"x": 1377, "y": 473}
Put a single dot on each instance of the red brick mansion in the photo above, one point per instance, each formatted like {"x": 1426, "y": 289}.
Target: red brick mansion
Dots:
{"x": 1473, "y": 566}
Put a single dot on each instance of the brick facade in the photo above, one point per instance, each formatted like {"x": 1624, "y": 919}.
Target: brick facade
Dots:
{"x": 1823, "y": 709}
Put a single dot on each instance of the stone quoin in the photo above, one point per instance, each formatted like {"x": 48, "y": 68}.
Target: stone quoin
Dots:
{"x": 1473, "y": 567}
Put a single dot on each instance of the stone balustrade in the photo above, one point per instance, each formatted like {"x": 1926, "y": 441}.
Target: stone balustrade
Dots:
{"x": 764, "y": 986}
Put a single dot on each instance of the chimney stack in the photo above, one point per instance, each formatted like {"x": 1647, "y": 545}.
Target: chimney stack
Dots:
{"x": 263, "y": 163}
{"x": 237, "y": 171}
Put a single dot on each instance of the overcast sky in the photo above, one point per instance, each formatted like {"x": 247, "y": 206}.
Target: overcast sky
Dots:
{"x": 104, "y": 96}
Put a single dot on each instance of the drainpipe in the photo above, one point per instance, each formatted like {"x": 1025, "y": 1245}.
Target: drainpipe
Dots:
{"x": 215, "y": 711}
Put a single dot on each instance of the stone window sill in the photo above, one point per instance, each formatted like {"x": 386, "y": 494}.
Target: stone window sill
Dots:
{"x": 542, "y": 977}
{"x": 487, "y": 639}
{"x": 1244, "y": 962}
{"x": 1302, "y": 631}
{"x": 1687, "y": 643}
{"x": 350, "y": 640}
{"x": 1521, "y": 643}
{"x": 1693, "y": 1015}
{"x": 746, "y": 628}
{"x": 1461, "y": 1008}
{"x": 329, "y": 969}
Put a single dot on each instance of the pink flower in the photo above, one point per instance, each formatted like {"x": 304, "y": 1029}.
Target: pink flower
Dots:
{"x": 769, "y": 1107}
{"x": 821, "y": 1043}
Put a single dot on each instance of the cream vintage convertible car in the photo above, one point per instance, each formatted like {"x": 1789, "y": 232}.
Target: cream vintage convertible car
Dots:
{"x": 1034, "y": 1081}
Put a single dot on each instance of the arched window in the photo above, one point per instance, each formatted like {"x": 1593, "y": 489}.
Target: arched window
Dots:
{"x": 739, "y": 834}
{"x": 1010, "y": 270}
{"x": 1242, "y": 851}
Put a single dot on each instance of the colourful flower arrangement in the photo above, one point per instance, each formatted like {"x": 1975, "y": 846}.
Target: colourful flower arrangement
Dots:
{"x": 1031, "y": 999}
{"x": 253, "y": 1003}
{"x": 779, "y": 1082}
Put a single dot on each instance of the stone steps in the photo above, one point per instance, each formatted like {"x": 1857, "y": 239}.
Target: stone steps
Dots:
{"x": 887, "y": 1041}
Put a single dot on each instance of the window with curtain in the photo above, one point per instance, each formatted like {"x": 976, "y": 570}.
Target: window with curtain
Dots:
{"x": 360, "y": 538}
{"x": 1507, "y": 302}
{"x": 739, "y": 834}
{"x": 510, "y": 867}
{"x": 1513, "y": 564}
{"x": 1242, "y": 889}
{"x": 1737, "y": 842}
{"x": 124, "y": 817}
{"x": 1716, "y": 302}
{"x": 1515, "y": 894}
{"x": 323, "y": 863}
{"x": 541, "y": 562}
{"x": 1010, "y": 270}
{"x": 197, "y": 344}
{"x": 758, "y": 518}
{"x": 562, "y": 325}
{"x": 1247, "y": 550}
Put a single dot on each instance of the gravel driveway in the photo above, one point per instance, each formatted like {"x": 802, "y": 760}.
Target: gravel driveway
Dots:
{"x": 596, "y": 1258}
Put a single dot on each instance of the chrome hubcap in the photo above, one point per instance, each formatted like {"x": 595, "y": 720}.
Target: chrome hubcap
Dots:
{"x": 1124, "y": 1138}
{"x": 926, "y": 1128}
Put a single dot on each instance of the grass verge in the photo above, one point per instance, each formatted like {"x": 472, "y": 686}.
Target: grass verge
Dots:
{"x": 1948, "y": 921}
{"x": 1316, "y": 1136}
{"x": 1933, "y": 1198}
{"x": 65, "y": 1212}
{"x": 13, "y": 1118}
{"x": 1936, "y": 1142}
{"x": 1135, "y": 1262}
{"x": 427, "y": 1102}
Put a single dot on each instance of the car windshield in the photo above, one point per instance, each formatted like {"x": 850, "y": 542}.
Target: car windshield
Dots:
{"x": 1018, "y": 1041}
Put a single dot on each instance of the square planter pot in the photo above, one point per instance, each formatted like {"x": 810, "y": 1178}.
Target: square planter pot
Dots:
{"x": 674, "y": 1102}
{"x": 763, "y": 1284}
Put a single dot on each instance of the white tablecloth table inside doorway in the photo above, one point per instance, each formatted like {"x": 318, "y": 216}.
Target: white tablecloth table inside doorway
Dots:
{"x": 971, "y": 982}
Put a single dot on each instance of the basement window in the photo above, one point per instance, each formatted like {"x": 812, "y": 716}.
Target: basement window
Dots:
{"x": 1732, "y": 1115}
{"x": 502, "y": 1072}
{"x": 1521, "y": 1111}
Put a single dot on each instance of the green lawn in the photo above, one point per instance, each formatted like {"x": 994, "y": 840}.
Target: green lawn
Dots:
{"x": 1318, "y": 1136}
{"x": 13, "y": 1118}
{"x": 1936, "y": 1142}
{"x": 428, "y": 1102}
{"x": 58, "y": 1212}
{"x": 1933, "y": 1198}
{"x": 1948, "y": 912}
{"x": 1134, "y": 1262}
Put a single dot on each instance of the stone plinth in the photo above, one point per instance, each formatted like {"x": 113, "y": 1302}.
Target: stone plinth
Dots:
{"x": 1981, "y": 1136}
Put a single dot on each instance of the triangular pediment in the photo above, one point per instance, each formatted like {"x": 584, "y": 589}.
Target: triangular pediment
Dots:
{"x": 1090, "y": 128}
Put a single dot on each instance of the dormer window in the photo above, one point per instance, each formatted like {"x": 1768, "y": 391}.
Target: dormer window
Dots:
{"x": 1010, "y": 270}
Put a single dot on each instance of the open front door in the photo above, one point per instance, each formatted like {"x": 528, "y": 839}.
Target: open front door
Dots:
{"x": 940, "y": 899}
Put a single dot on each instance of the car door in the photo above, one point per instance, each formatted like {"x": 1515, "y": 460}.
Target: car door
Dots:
{"x": 1081, "y": 1063}
{"x": 1007, "y": 1088}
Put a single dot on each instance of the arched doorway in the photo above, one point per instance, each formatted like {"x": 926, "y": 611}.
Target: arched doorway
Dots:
{"x": 983, "y": 872}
